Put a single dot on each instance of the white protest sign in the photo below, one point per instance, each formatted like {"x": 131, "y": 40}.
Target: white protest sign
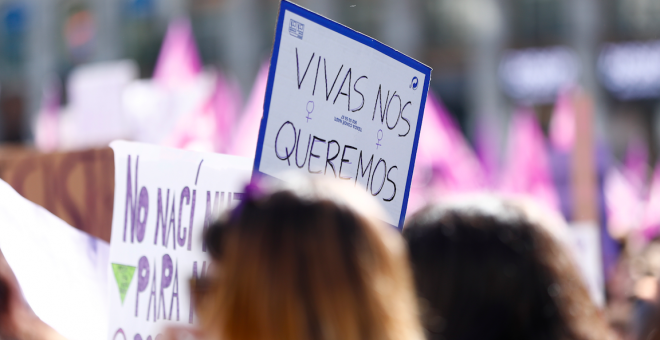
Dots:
{"x": 164, "y": 199}
{"x": 586, "y": 241}
{"x": 341, "y": 104}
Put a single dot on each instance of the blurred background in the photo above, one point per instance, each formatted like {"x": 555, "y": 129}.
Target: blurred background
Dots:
{"x": 556, "y": 100}
{"x": 488, "y": 56}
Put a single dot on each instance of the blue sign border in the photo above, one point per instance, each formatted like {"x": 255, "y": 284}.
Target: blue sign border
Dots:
{"x": 363, "y": 39}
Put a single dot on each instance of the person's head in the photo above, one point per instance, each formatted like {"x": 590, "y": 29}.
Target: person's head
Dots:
{"x": 302, "y": 263}
{"x": 488, "y": 270}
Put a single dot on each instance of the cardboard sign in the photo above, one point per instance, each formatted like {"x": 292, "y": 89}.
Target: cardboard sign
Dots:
{"x": 76, "y": 186}
{"x": 341, "y": 104}
{"x": 164, "y": 200}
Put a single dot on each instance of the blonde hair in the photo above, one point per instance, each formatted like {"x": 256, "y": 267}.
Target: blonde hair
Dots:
{"x": 300, "y": 264}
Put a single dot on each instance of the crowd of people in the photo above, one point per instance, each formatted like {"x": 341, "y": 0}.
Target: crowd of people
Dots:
{"x": 311, "y": 260}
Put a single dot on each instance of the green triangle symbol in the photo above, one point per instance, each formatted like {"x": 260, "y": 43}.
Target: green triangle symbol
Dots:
{"x": 123, "y": 276}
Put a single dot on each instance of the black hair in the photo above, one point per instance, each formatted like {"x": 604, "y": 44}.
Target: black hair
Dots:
{"x": 482, "y": 276}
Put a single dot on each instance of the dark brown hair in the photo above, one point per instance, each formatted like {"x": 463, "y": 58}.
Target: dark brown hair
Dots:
{"x": 484, "y": 275}
{"x": 301, "y": 267}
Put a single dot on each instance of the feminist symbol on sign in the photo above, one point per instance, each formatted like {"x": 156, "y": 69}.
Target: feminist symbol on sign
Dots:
{"x": 379, "y": 135}
{"x": 309, "y": 111}
{"x": 123, "y": 276}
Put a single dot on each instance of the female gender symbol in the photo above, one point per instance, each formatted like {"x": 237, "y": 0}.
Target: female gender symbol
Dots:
{"x": 309, "y": 111}
{"x": 379, "y": 135}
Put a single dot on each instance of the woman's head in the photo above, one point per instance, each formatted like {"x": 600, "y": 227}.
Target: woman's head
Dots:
{"x": 302, "y": 264}
{"x": 486, "y": 271}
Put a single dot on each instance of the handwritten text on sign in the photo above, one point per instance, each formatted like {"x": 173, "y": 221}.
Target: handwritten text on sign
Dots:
{"x": 164, "y": 200}
{"x": 341, "y": 107}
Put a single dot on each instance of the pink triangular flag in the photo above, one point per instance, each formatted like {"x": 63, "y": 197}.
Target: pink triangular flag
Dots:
{"x": 624, "y": 205}
{"x": 636, "y": 164}
{"x": 527, "y": 169}
{"x": 487, "y": 148}
{"x": 209, "y": 128}
{"x": 456, "y": 167}
{"x": 445, "y": 163}
{"x": 178, "y": 61}
{"x": 47, "y": 123}
{"x": 226, "y": 100}
{"x": 651, "y": 220}
{"x": 562, "y": 122}
{"x": 247, "y": 133}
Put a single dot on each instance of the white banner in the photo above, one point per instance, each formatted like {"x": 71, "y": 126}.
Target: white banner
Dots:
{"x": 341, "y": 104}
{"x": 164, "y": 200}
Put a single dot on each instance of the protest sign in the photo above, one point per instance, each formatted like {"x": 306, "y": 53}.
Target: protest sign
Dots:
{"x": 586, "y": 241}
{"x": 341, "y": 104}
{"x": 76, "y": 186}
{"x": 164, "y": 200}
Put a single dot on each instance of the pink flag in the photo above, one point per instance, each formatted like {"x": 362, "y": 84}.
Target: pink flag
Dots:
{"x": 47, "y": 127}
{"x": 247, "y": 133}
{"x": 625, "y": 192}
{"x": 651, "y": 221}
{"x": 562, "y": 123}
{"x": 210, "y": 127}
{"x": 226, "y": 100}
{"x": 527, "y": 169}
{"x": 178, "y": 61}
{"x": 445, "y": 163}
{"x": 636, "y": 164}
{"x": 486, "y": 140}
{"x": 624, "y": 205}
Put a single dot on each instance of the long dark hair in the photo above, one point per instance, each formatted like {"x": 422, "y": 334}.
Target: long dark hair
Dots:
{"x": 484, "y": 275}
